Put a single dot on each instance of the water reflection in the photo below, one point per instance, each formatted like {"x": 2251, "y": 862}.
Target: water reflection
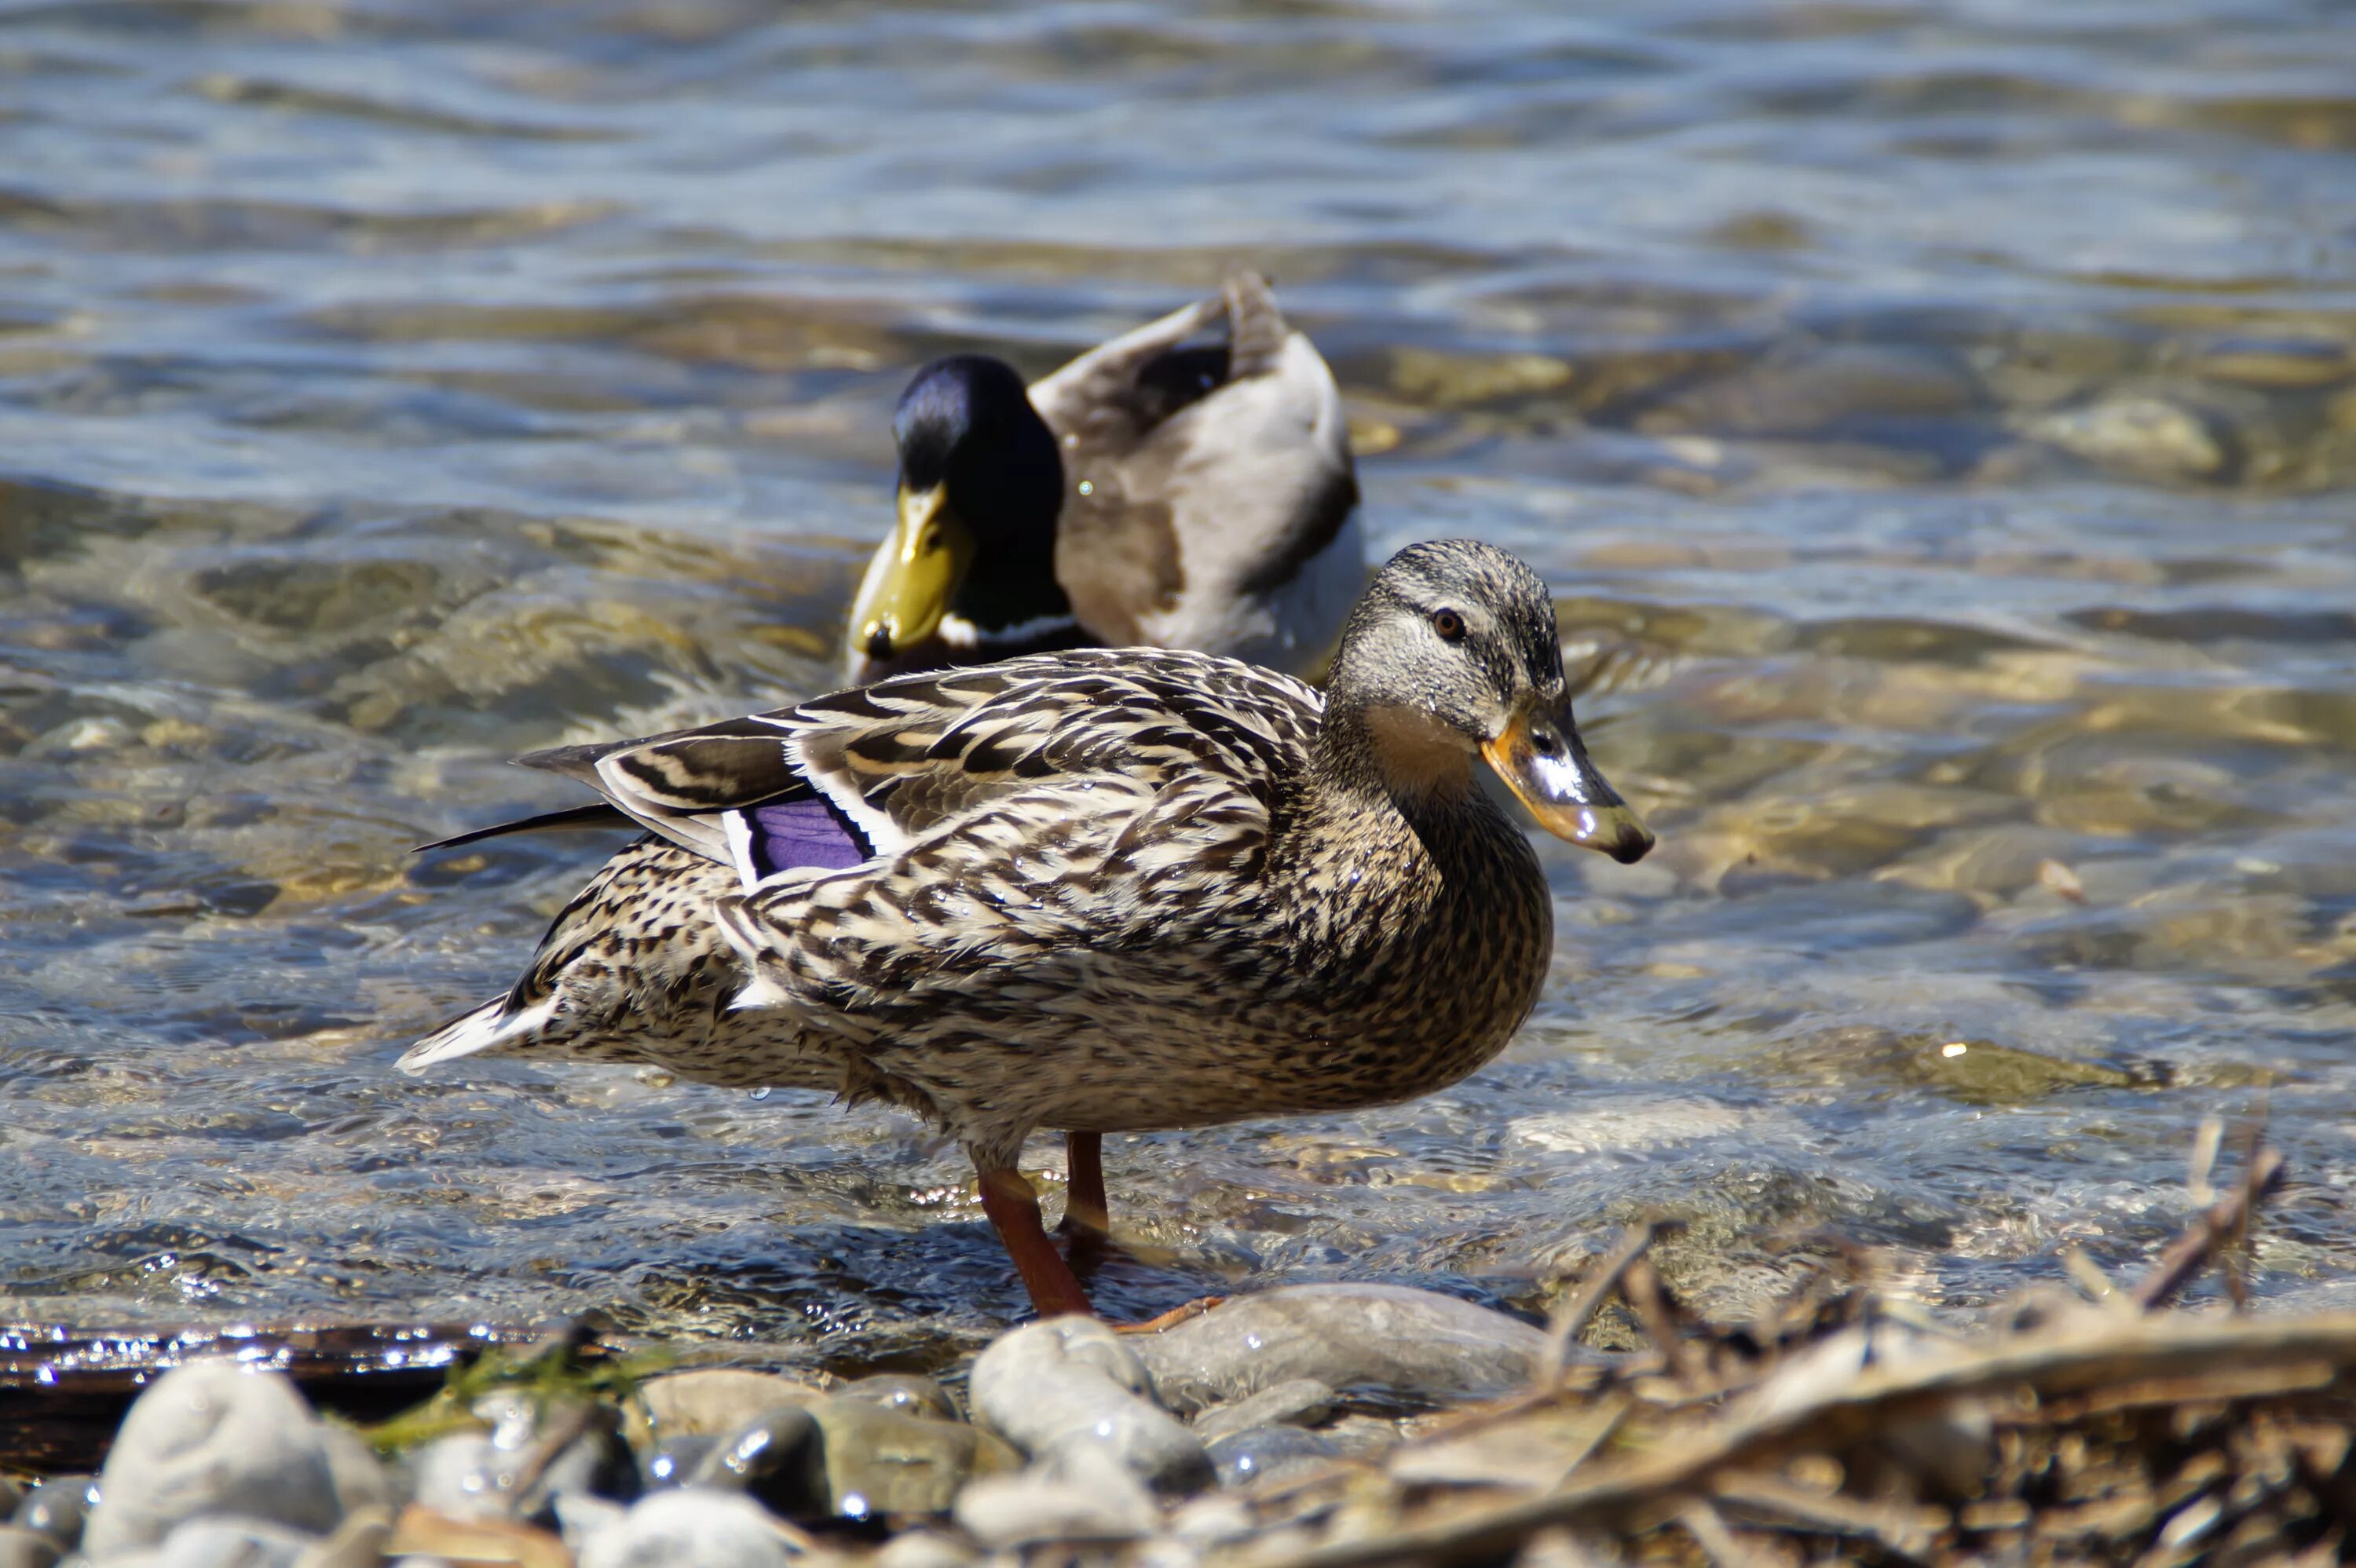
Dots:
{"x": 1936, "y": 420}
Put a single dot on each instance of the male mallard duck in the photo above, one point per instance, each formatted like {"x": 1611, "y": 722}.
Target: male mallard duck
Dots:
{"x": 1145, "y": 493}
{"x": 1103, "y": 890}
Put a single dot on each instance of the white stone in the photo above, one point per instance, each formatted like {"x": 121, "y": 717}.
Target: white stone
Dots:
{"x": 693, "y": 1527}
{"x": 212, "y": 1438}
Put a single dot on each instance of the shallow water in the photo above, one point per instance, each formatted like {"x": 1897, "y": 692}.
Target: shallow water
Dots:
{"x": 1937, "y": 422}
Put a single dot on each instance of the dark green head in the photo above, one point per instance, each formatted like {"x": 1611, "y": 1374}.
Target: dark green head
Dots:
{"x": 981, "y": 484}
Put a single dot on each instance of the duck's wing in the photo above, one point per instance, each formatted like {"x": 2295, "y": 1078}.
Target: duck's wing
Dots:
{"x": 840, "y": 780}
{"x": 1209, "y": 492}
{"x": 1089, "y": 802}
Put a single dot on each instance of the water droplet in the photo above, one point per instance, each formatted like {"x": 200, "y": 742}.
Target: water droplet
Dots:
{"x": 1087, "y": 486}
{"x": 761, "y": 1093}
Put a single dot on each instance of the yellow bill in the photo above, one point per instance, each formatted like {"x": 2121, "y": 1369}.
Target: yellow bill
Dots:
{"x": 1542, "y": 762}
{"x": 914, "y": 577}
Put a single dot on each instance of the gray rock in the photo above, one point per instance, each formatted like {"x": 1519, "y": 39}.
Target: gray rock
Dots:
{"x": 362, "y": 1480}
{"x": 1259, "y": 1453}
{"x": 465, "y": 1475}
{"x": 1071, "y": 1383}
{"x": 689, "y": 1527}
{"x": 1084, "y": 1493}
{"x": 579, "y": 1517}
{"x": 777, "y": 1457}
{"x": 358, "y": 1541}
{"x": 229, "y": 1541}
{"x": 207, "y": 1439}
{"x": 58, "y": 1509}
{"x": 1414, "y": 1342}
{"x": 1296, "y": 1401}
{"x": 23, "y": 1547}
{"x": 711, "y": 1401}
{"x": 849, "y": 1458}
{"x": 674, "y": 1459}
{"x": 901, "y": 1391}
{"x": 880, "y": 1461}
{"x": 923, "y": 1549}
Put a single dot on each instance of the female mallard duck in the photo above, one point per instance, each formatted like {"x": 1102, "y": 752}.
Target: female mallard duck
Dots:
{"x": 1098, "y": 890}
{"x": 1145, "y": 493}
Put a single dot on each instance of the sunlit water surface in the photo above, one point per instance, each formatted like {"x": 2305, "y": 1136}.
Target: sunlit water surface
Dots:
{"x": 1937, "y": 422}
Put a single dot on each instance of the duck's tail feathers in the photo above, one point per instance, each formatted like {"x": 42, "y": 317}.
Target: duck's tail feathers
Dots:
{"x": 485, "y": 1028}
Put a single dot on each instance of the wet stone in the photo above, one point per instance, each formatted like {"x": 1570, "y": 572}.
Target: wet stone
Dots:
{"x": 11, "y": 1494}
{"x": 362, "y": 1480}
{"x": 1415, "y": 1342}
{"x": 777, "y": 1458}
{"x": 231, "y": 1543}
{"x": 690, "y": 1528}
{"x": 1083, "y": 1493}
{"x": 2138, "y": 434}
{"x": 1261, "y": 1453}
{"x": 57, "y": 1509}
{"x": 711, "y": 1401}
{"x": 1071, "y": 1383}
{"x": 1296, "y": 1401}
{"x": 879, "y": 1461}
{"x": 209, "y": 1439}
{"x": 671, "y": 1461}
{"x": 903, "y": 1391}
{"x": 22, "y": 1548}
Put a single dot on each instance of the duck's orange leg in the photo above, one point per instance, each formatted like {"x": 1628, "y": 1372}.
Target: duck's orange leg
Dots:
{"x": 1012, "y": 1205}
{"x": 1084, "y": 1190}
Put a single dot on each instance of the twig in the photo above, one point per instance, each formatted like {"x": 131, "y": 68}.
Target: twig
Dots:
{"x": 2229, "y": 1216}
{"x": 2109, "y": 1350}
{"x": 1571, "y": 1316}
{"x": 1640, "y": 1288}
{"x": 1710, "y": 1532}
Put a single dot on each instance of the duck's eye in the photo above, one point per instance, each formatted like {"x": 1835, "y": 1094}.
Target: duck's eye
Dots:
{"x": 1449, "y": 625}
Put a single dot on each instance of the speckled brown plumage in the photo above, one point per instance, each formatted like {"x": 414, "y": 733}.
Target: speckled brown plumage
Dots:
{"x": 1097, "y": 892}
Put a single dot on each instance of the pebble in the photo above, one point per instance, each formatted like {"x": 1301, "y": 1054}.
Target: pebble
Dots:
{"x": 690, "y": 1528}
{"x": 231, "y": 1543}
{"x": 1071, "y": 1383}
{"x": 362, "y": 1480}
{"x": 2138, "y": 433}
{"x": 57, "y": 1509}
{"x": 11, "y": 1494}
{"x": 671, "y": 1461}
{"x": 1084, "y": 1493}
{"x": 1257, "y": 1453}
{"x": 879, "y": 1460}
{"x": 358, "y": 1541}
{"x": 22, "y": 1548}
{"x": 922, "y": 1548}
{"x": 903, "y": 1391}
{"x": 1415, "y": 1342}
{"x": 1302, "y": 1401}
{"x": 211, "y": 1438}
{"x": 777, "y": 1457}
{"x": 711, "y": 1401}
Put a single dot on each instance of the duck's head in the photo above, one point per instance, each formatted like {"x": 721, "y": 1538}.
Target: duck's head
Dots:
{"x": 973, "y": 560}
{"x": 1452, "y": 654}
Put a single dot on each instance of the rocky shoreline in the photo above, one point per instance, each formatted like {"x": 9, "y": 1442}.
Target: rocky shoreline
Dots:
{"x": 1311, "y": 1426}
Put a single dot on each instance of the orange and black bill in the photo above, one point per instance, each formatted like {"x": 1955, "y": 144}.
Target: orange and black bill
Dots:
{"x": 1542, "y": 760}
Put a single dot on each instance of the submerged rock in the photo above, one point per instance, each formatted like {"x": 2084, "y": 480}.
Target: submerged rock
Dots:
{"x": 1071, "y": 1383}
{"x": 1415, "y": 1342}
{"x": 211, "y": 1438}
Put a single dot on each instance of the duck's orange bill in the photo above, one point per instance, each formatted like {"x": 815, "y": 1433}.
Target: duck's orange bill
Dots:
{"x": 1544, "y": 762}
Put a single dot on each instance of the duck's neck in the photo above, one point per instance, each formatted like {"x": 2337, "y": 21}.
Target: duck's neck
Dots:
{"x": 1396, "y": 756}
